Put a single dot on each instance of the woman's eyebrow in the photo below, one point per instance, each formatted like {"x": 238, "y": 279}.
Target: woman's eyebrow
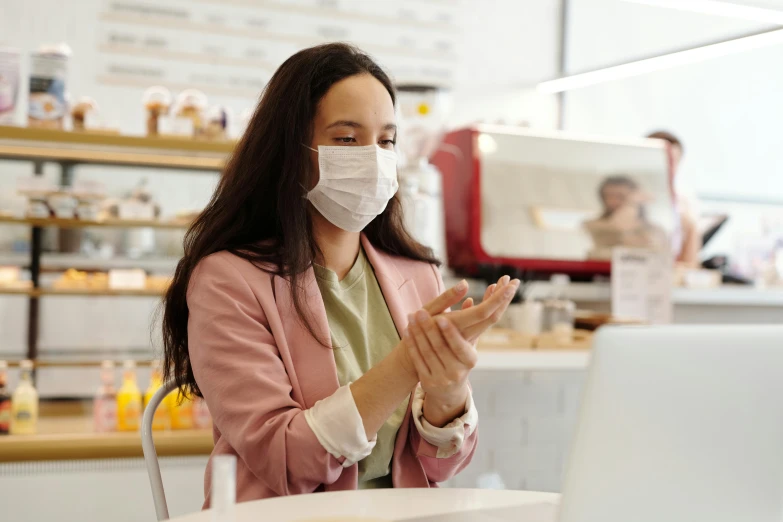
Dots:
{"x": 346, "y": 123}
{"x": 357, "y": 125}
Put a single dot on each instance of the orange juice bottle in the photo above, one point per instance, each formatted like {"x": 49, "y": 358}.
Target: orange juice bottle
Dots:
{"x": 128, "y": 400}
{"x": 181, "y": 411}
{"x": 162, "y": 417}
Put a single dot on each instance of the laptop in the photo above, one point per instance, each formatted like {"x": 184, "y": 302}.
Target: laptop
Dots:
{"x": 680, "y": 423}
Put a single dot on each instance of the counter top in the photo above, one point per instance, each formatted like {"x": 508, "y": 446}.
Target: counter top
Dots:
{"x": 532, "y": 360}
{"x": 722, "y": 296}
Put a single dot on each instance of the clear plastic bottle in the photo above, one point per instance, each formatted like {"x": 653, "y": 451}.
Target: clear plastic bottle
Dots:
{"x": 104, "y": 409}
{"x": 162, "y": 418}
{"x": 559, "y": 312}
{"x": 24, "y": 403}
{"x": 128, "y": 400}
{"x": 5, "y": 400}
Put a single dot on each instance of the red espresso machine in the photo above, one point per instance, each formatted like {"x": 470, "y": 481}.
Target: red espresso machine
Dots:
{"x": 523, "y": 200}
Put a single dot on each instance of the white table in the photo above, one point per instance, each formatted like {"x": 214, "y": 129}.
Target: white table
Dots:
{"x": 388, "y": 505}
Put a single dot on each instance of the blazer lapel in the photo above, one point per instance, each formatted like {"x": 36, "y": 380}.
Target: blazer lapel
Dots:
{"x": 313, "y": 363}
{"x": 400, "y": 293}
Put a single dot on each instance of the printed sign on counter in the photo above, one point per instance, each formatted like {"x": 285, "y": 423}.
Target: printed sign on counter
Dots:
{"x": 642, "y": 285}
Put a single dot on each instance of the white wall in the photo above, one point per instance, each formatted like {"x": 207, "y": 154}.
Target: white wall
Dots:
{"x": 727, "y": 110}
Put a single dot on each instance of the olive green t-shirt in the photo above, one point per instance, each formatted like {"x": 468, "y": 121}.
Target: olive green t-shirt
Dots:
{"x": 363, "y": 333}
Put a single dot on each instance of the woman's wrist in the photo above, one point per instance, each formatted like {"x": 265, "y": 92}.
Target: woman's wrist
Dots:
{"x": 440, "y": 410}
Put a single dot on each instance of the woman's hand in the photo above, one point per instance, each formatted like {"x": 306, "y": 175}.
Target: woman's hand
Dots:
{"x": 473, "y": 320}
{"x": 443, "y": 359}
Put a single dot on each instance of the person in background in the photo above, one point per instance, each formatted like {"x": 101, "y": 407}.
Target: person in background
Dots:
{"x": 623, "y": 221}
{"x": 686, "y": 238}
{"x": 315, "y": 328}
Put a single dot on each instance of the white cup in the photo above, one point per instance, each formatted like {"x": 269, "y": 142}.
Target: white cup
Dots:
{"x": 526, "y": 317}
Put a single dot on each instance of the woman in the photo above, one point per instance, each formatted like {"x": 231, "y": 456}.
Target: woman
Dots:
{"x": 286, "y": 310}
{"x": 624, "y": 220}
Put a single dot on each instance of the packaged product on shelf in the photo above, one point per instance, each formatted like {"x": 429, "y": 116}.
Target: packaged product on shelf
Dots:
{"x": 9, "y": 84}
{"x": 104, "y": 407}
{"x": 81, "y": 110}
{"x": 162, "y": 418}
{"x": 181, "y": 412}
{"x": 201, "y": 418}
{"x": 157, "y": 102}
{"x": 63, "y": 205}
{"x": 191, "y": 104}
{"x": 24, "y": 403}
{"x": 217, "y": 123}
{"x": 5, "y": 400}
{"x": 89, "y": 195}
{"x": 129, "y": 400}
{"x": 48, "y": 76}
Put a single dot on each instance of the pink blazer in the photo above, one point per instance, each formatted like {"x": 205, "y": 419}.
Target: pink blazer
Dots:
{"x": 259, "y": 369}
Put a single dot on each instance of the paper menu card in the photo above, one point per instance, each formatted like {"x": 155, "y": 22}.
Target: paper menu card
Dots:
{"x": 642, "y": 285}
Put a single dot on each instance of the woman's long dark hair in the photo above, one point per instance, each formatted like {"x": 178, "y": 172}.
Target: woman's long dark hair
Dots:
{"x": 258, "y": 211}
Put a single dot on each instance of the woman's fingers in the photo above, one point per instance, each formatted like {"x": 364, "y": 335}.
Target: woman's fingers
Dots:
{"x": 467, "y": 303}
{"x": 461, "y": 348}
{"x": 419, "y": 363}
{"x": 489, "y": 310}
{"x": 429, "y": 355}
{"x": 489, "y": 291}
{"x": 447, "y": 299}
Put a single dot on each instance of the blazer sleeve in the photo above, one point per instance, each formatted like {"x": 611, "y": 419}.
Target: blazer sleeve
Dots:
{"x": 442, "y": 469}
{"x": 239, "y": 371}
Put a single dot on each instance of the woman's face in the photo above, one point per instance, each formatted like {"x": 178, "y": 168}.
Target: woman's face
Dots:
{"x": 615, "y": 196}
{"x": 356, "y": 111}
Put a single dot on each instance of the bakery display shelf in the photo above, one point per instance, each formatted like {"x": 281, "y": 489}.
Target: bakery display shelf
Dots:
{"x": 20, "y": 143}
{"x": 84, "y": 223}
{"x": 82, "y": 292}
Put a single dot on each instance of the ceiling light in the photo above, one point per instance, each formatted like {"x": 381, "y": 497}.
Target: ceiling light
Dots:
{"x": 717, "y": 8}
{"x": 666, "y": 61}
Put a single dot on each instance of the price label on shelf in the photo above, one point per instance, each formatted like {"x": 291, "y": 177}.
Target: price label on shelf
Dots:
{"x": 642, "y": 285}
{"x": 127, "y": 279}
{"x": 136, "y": 211}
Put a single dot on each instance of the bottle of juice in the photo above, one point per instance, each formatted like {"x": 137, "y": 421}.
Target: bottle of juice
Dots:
{"x": 24, "y": 403}
{"x": 5, "y": 400}
{"x": 162, "y": 417}
{"x": 104, "y": 407}
{"x": 128, "y": 400}
{"x": 181, "y": 411}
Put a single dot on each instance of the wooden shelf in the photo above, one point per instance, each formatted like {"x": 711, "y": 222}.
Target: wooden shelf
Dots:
{"x": 83, "y": 292}
{"x": 77, "y": 446}
{"x": 21, "y": 143}
{"x": 82, "y": 223}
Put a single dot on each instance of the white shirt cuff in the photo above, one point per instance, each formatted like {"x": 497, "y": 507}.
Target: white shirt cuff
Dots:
{"x": 450, "y": 437}
{"x": 338, "y": 426}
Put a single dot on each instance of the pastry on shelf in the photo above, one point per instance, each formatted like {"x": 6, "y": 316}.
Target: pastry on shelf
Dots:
{"x": 158, "y": 283}
{"x": 71, "y": 279}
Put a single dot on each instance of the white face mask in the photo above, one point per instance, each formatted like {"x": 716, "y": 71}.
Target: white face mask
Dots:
{"x": 355, "y": 184}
